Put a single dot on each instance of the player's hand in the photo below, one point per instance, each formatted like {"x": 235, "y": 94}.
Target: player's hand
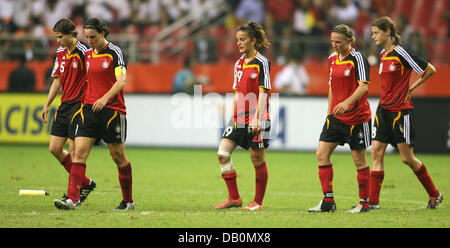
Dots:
{"x": 408, "y": 95}
{"x": 340, "y": 108}
{"x": 99, "y": 104}
{"x": 255, "y": 126}
{"x": 44, "y": 114}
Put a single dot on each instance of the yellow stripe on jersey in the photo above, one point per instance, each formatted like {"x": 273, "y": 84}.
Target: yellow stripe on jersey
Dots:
{"x": 112, "y": 118}
{"x": 250, "y": 66}
{"x": 376, "y": 120}
{"x": 120, "y": 70}
{"x": 344, "y": 62}
{"x": 94, "y": 55}
{"x": 351, "y": 130}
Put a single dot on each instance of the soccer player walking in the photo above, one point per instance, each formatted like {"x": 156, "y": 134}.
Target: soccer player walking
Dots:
{"x": 394, "y": 119}
{"x": 69, "y": 75}
{"x": 348, "y": 119}
{"x": 250, "y": 125}
{"x": 103, "y": 115}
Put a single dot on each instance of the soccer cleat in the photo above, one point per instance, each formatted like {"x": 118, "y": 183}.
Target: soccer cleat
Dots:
{"x": 253, "y": 206}
{"x": 84, "y": 191}
{"x": 374, "y": 206}
{"x": 323, "y": 206}
{"x": 434, "y": 202}
{"x": 358, "y": 209}
{"x": 125, "y": 206}
{"x": 65, "y": 204}
{"x": 229, "y": 203}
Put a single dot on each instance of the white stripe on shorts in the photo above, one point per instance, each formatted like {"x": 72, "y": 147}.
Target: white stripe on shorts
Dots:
{"x": 406, "y": 129}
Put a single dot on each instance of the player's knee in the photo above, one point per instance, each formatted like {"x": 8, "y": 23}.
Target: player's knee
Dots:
{"x": 55, "y": 150}
{"x": 257, "y": 159}
{"x": 223, "y": 157}
{"x": 359, "y": 162}
{"x": 408, "y": 161}
{"x": 322, "y": 157}
{"x": 118, "y": 157}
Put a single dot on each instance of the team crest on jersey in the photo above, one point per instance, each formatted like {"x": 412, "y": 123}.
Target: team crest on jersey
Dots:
{"x": 105, "y": 64}
{"x": 347, "y": 72}
{"x": 392, "y": 67}
{"x": 75, "y": 64}
{"x": 253, "y": 75}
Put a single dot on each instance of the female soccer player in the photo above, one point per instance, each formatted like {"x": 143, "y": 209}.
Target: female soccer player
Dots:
{"x": 394, "y": 119}
{"x": 69, "y": 74}
{"x": 103, "y": 114}
{"x": 348, "y": 119}
{"x": 250, "y": 125}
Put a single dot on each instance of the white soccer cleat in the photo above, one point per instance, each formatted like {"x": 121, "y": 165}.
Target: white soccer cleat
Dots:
{"x": 323, "y": 206}
{"x": 358, "y": 209}
{"x": 253, "y": 206}
{"x": 65, "y": 204}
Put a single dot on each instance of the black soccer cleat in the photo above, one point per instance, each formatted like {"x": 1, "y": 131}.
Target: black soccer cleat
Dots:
{"x": 323, "y": 206}
{"x": 434, "y": 202}
{"x": 86, "y": 190}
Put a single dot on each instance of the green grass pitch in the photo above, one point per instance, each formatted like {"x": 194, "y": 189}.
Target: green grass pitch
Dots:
{"x": 178, "y": 188}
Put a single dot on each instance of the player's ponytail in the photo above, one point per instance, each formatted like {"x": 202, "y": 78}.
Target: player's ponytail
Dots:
{"x": 98, "y": 25}
{"x": 385, "y": 23}
{"x": 255, "y": 30}
{"x": 65, "y": 26}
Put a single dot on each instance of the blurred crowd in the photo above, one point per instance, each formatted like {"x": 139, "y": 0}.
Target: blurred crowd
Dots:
{"x": 295, "y": 27}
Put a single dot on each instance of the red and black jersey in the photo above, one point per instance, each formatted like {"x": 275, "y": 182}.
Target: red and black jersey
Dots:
{"x": 344, "y": 77}
{"x": 70, "y": 66}
{"x": 395, "y": 72}
{"x": 101, "y": 71}
{"x": 248, "y": 78}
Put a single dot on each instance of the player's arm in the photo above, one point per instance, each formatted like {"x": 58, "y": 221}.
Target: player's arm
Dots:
{"x": 121, "y": 78}
{"x": 430, "y": 71}
{"x": 262, "y": 105}
{"x": 330, "y": 97}
{"x": 357, "y": 94}
{"x": 54, "y": 89}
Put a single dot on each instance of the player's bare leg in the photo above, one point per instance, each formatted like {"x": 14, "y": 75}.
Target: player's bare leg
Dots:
{"x": 226, "y": 147}
{"x": 56, "y": 147}
{"x": 419, "y": 169}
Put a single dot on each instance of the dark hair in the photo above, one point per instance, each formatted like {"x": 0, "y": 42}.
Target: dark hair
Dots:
{"x": 65, "y": 26}
{"x": 98, "y": 25}
{"x": 385, "y": 23}
{"x": 255, "y": 30}
{"x": 345, "y": 31}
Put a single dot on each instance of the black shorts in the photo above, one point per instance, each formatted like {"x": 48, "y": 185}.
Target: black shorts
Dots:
{"x": 66, "y": 119}
{"x": 357, "y": 136}
{"x": 394, "y": 127}
{"x": 241, "y": 134}
{"x": 107, "y": 124}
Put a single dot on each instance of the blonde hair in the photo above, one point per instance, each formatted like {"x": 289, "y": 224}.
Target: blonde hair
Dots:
{"x": 345, "y": 31}
{"x": 255, "y": 30}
